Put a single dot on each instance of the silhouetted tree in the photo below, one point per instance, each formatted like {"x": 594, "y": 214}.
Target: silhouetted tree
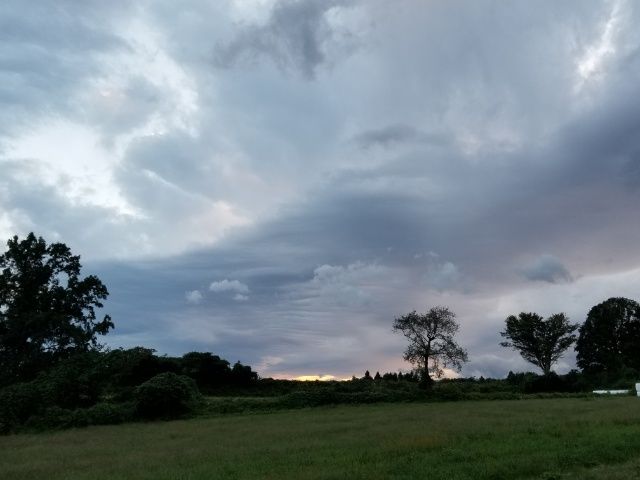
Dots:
{"x": 47, "y": 312}
{"x": 539, "y": 341}
{"x": 131, "y": 367}
{"x": 431, "y": 344}
{"x": 377, "y": 376}
{"x": 367, "y": 375}
{"x": 206, "y": 369}
{"x": 610, "y": 337}
{"x": 242, "y": 374}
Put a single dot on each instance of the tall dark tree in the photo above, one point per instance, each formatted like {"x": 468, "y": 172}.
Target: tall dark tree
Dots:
{"x": 539, "y": 341}
{"x": 47, "y": 311}
{"x": 431, "y": 341}
{"x": 610, "y": 337}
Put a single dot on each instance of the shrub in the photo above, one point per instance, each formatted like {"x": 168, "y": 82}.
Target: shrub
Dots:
{"x": 18, "y": 402}
{"x": 166, "y": 396}
{"x": 72, "y": 383}
{"x": 110, "y": 413}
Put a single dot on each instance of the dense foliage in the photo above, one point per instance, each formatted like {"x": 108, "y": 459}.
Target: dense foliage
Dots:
{"x": 166, "y": 395}
{"x": 539, "y": 341}
{"x": 609, "y": 340}
{"x": 114, "y": 386}
{"x": 47, "y": 311}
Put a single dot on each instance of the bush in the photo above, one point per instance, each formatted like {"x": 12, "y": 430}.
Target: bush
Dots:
{"x": 72, "y": 383}
{"x": 18, "y": 402}
{"x": 110, "y": 413}
{"x": 166, "y": 396}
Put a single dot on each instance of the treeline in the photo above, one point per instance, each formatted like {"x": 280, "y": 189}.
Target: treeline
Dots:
{"x": 97, "y": 387}
{"x": 54, "y": 373}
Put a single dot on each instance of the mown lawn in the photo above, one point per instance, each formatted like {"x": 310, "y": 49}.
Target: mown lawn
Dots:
{"x": 559, "y": 438}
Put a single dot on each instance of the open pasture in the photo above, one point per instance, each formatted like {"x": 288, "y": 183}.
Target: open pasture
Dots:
{"x": 558, "y": 438}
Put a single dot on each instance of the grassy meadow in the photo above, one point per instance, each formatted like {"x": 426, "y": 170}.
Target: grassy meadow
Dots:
{"x": 548, "y": 439}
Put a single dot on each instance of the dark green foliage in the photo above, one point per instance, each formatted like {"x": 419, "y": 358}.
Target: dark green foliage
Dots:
{"x": 539, "y": 341}
{"x": 208, "y": 370}
{"x": 72, "y": 383}
{"x": 431, "y": 344}
{"x": 105, "y": 413}
{"x": 47, "y": 312}
{"x": 609, "y": 339}
{"x": 99, "y": 414}
{"x": 18, "y": 403}
{"x": 108, "y": 387}
{"x": 166, "y": 396}
{"x": 242, "y": 375}
{"x": 126, "y": 369}
{"x": 75, "y": 382}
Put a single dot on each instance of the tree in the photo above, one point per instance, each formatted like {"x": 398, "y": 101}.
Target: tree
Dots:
{"x": 206, "y": 369}
{"x": 610, "y": 337}
{"x": 47, "y": 312}
{"x": 539, "y": 341}
{"x": 431, "y": 345}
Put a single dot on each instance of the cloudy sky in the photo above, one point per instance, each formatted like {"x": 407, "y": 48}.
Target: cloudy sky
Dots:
{"x": 276, "y": 180}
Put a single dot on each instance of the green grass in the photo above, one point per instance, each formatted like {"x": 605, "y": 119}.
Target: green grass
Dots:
{"x": 538, "y": 439}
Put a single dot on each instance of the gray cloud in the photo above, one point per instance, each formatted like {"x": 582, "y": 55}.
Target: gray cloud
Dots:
{"x": 398, "y": 134}
{"x": 297, "y": 34}
{"x": 480, "y": 137}
{"x": 48, "y": 51}
{"x": 547, "y": 268}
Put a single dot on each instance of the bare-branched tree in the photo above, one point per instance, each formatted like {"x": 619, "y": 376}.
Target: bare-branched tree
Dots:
{"x": 431, "y": 344}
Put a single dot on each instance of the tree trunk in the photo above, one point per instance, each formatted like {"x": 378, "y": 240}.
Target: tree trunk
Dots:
{"x": 426, "y": 381}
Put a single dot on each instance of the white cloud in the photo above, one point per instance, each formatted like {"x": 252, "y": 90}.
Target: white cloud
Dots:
{"x": 194, "y": 297}
{"x": 595, "y": 55}
{"x": 353, "y": 284}
{"x": 229, "y": 286}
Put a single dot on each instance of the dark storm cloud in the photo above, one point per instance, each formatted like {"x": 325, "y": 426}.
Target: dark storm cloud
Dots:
{"x": 296, "y": 35}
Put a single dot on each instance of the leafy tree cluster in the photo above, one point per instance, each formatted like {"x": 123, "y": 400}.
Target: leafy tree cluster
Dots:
{"x": 607, "y": 343}
{"x": 47, "y": 311}
{"x": 52, "y": 365}
{"x": 412, "y": 376}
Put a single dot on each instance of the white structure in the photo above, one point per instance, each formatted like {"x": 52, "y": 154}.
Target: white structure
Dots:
{"x": 611, "y": 392}
{"x": 638, "y": 389}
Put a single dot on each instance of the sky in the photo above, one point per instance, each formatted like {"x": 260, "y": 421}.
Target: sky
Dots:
{"x": 276, "y": 180}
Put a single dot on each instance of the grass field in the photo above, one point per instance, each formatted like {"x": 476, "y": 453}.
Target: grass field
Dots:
{"x": 548, "y": 439}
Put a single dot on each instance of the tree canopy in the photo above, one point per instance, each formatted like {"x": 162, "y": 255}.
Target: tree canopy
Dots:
{"x": 47, "y": 311}
{"x": 610, "y": 337}
{"x": 539, "y": 341}
{"x": 431, "y": 341}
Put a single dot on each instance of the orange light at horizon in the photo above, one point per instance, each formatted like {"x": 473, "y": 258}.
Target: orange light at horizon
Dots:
{"x": 321, "y": 378}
